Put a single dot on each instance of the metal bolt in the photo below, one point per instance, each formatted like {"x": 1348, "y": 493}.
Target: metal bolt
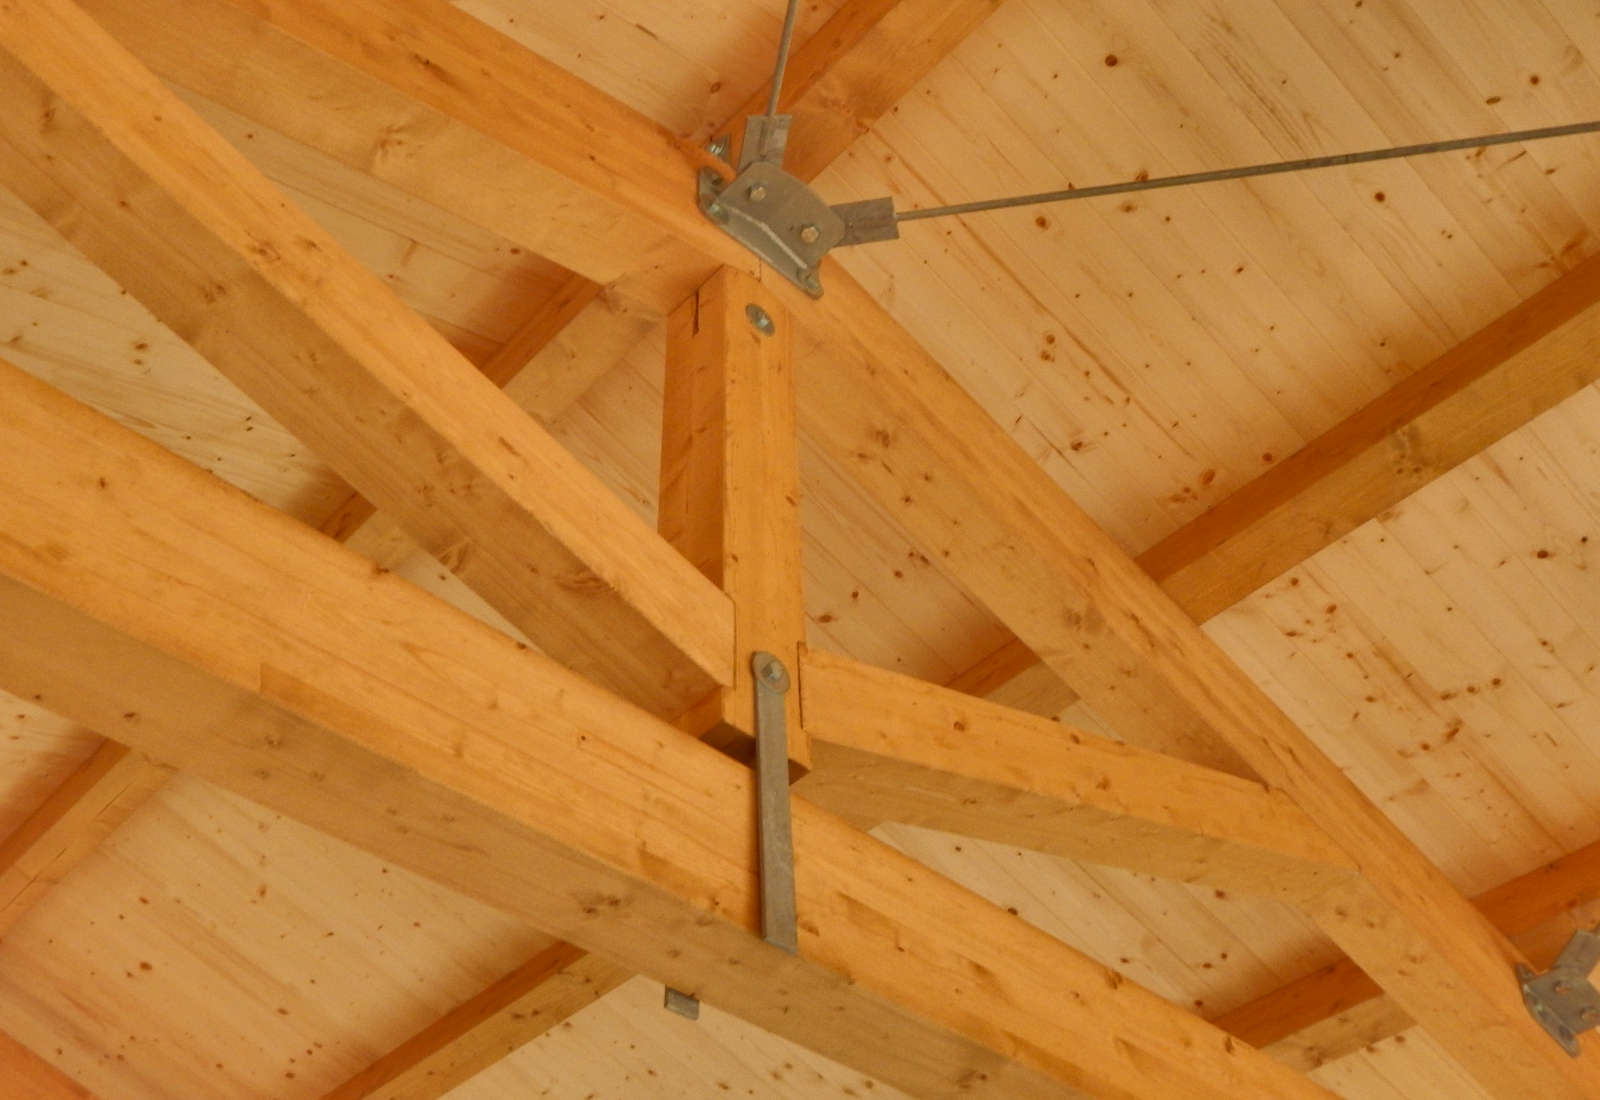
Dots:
{"x": 715, "y": 209}
{"x": 772, "y": 672}
{"x": 759, "y": 318}
{"x": 811, "y": 282}
{"x": 809, "y": 234}
{"x": 1562, "y": 987}
{"x": 757, "y": 192}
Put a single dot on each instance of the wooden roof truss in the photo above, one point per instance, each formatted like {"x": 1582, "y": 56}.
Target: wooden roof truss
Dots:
{"x": 196, "y": 627}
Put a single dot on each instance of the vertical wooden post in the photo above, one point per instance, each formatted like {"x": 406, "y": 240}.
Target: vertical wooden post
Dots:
{"x": 730, "y": 486}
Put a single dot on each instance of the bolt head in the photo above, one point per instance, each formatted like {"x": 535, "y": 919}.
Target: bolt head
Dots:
{"x": 810, "y": 234}
{"x": 760, "y": 319}
{"x": 757, "y": 192}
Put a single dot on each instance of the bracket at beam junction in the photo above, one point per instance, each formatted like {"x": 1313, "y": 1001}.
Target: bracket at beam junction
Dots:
{"x": 1563, "y": 999}
{"x": 782, "y": 220}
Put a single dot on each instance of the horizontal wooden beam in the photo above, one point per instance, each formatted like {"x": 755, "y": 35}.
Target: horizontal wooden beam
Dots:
{"x": 1522, "y": 363}
{"x": 133, "y": 178}
{"x": 226, "y": 639}
{"x": 552, "y": 986}
{"x": 912, "y": 752}
{"x": 27, "y": 1075}
{"x": 68, "y": 825}
{"x": 1337, "y": 1010}
{"x": 978, "y": 505}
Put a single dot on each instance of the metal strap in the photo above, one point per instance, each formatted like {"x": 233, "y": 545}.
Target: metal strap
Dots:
{"x": 778, "y": 920}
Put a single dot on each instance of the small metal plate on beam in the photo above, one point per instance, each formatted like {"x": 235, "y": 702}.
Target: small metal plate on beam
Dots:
{"x": 684, "y": 1005}
{"x": 867, "y": 221}
{"x": 1563, "y": 999}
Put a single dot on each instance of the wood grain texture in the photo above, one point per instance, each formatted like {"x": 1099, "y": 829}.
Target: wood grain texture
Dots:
{"x": 71, "y": 823}
{"x": 441, "y": 105}
{"x": 730, "y": 486}
{"x": 412, "y": 731}
{"x": 165, "y": 205}
{"x": 1338, "y": 1010}
{"x": 26, "y": 1074}
{"x": 981, "y": 506}
{"x": 910, "y": 752}
{"x": 1521, "y": 364}
{"x": 837, "y": 85}
{"x": 550, "y": 987}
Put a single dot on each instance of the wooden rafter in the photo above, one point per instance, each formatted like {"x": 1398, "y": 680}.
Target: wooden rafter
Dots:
{"x": 979, "y": 505}
{"x": 1337, "y": 1010}
{"x": 1462, "y": 973}
{"x": 553, "y": 985}
{"x": 226, "y": 639}
{"x": 911, "y": 752}
{"x": 186, "y": 224}
{"x": 1522, "y": 363}
{"x": 71, "y": 823}
{"x": 27, "y": 1074}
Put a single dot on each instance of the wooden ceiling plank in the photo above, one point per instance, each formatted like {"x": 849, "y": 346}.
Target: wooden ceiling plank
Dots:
{"x": 1337, "y": 1010}
{"x": 141, "y": 185}
{"x": 1524, "y": 362}
{"x": 978, "y": 504}
{"x": 69, "y": 824}
{"x": 225, "y": 638}
{"x": 730, "y": 485}
{"x": 912, "y": 752}
{"x": 27, "y": 1074}
{"x": 551, "y": 987}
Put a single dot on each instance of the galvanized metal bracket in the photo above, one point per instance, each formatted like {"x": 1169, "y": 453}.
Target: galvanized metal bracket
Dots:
{"x": 1563, "y": 999}
{"x": 684, "y": 1005}
{"x": 780, "y": 218}
{"x": 778, "y": 918}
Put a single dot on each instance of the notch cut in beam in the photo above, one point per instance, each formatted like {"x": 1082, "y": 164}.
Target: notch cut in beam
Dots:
{"x": 133, "y": 178}
{"x": 915, "y": 753}
{"x": 223, "y": 637}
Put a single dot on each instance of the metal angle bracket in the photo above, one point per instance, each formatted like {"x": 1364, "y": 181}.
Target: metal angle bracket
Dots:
{"x": 778, "y": 917}
{"x": 786, "y": 223}
{"x": 1563, "y": 1000}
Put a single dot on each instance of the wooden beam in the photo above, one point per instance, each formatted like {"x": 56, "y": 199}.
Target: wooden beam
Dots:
{"x": 1337, "y": 1010}
{"x": 554, "y": 985}
{"x": 543, "y": 326}
{"x": 71, "y": 823}
{"x": 978, "y": 505}
{"x": 730, "y": 485}
{"x": 924, "y": 755}
{"x": 132, "y": 177}
{"x": 437, "y": 103}
{"x": 1522, "y": 363}
{"x": 27, "y": 1074}
{"x": 279, "y": 69}
{"x": 224, "y": 638}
